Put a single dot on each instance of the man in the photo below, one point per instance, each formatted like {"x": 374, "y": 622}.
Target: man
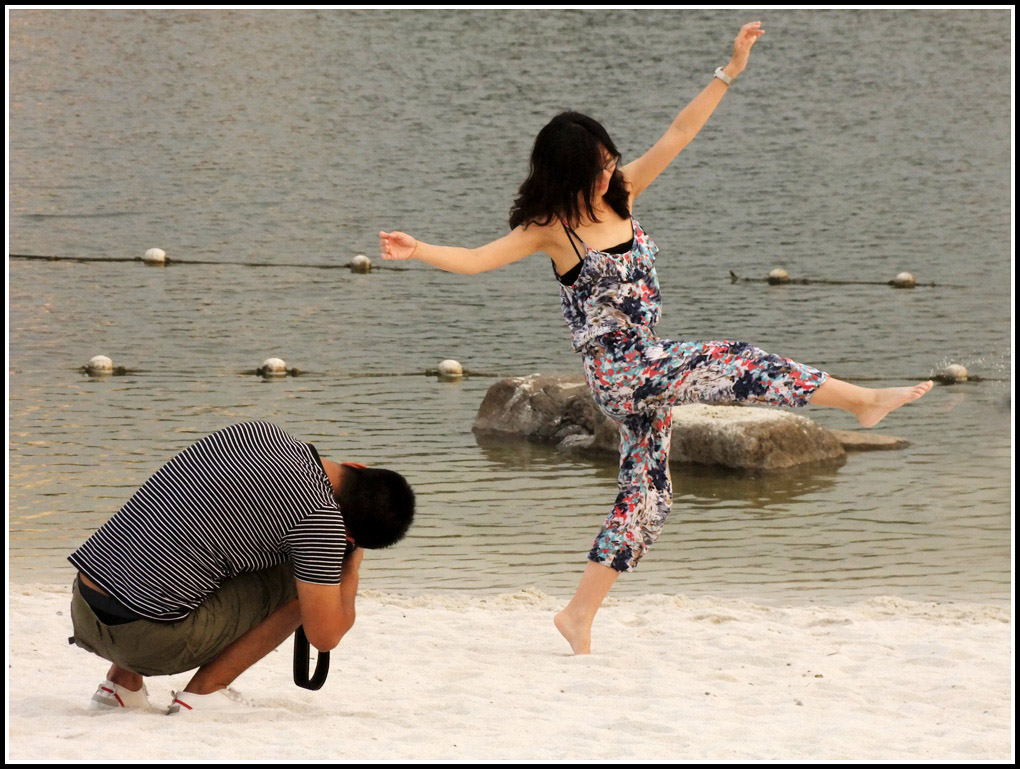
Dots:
{"x": 221, "y": 555}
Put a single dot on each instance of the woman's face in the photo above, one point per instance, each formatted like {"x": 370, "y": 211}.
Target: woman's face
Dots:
{"x": 608, "y": 168}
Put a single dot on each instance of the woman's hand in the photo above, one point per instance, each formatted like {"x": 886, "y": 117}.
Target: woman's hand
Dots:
{"x": 396, "y": 245}
{"x": 747, "y": 36}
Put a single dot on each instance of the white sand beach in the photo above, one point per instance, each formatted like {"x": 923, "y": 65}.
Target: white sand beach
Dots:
{"x": 443, "y": 677}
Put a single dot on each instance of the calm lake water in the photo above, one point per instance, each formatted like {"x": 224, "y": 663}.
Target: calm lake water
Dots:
{"x": 856, "y": 145}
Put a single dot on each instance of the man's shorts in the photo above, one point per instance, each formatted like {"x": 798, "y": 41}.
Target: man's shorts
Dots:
{"x": 153, "y": 648}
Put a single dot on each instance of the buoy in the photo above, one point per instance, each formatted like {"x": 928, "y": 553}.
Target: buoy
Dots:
{"x": 155, "y": 256}
{"x": 954, "y": 372}
{"x": 904, "y": 280}
{"x": 777, "y": 276}
{"x": 273, "y": 367}
{"x": 361, "y": 263}
{"x": 450, "y": 369}
{"x": 100, "y": 365}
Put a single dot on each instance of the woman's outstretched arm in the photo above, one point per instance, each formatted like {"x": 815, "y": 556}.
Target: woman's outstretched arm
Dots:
{"x": 519, "y": 243}
{"x": 642, "y": 172}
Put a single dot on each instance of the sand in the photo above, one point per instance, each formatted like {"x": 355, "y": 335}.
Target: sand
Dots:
{"x": 440, "y": 678}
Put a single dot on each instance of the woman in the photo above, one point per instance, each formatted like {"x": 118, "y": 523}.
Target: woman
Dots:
{"x": 575, "y": 206}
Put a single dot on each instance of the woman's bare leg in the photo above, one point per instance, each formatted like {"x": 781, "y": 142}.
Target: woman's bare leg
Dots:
{"x": 575, "y": 621}
{"x": 869, "y": 405}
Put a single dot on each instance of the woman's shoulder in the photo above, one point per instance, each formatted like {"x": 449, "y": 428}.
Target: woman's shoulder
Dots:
{"x": 540, "y": 226}
{"x": 542, "y": 233}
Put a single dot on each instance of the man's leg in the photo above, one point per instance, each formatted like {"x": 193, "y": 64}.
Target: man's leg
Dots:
{"x": 240, "y": 655}
{"x": 118, "y": 675}
{"x": 235, "y": 627}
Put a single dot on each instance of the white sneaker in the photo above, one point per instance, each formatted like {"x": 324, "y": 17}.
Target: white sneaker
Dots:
{"x": 221, "y": 701}
{"x": 110, "y": 695}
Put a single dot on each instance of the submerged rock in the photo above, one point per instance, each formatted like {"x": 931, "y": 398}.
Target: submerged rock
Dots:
{"x": 855, "y": 441}
{"x": 560, "y": 411}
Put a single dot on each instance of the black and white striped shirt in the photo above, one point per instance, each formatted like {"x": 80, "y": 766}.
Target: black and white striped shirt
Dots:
{"x": 245, "y": 498}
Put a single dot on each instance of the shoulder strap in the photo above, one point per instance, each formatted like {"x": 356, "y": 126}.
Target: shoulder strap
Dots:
{"x": 570, "y": 236}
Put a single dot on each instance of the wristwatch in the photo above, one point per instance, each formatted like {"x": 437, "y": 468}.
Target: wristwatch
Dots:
{"x": 723, "y": 76}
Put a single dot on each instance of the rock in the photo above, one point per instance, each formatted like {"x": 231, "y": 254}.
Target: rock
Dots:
{"x": 576, "y": 444}
{"x": 559, "y": 410}
{"x": 536, "y": 408}
{"x": 748, "y": 437}
{"x": 854, "y": 441}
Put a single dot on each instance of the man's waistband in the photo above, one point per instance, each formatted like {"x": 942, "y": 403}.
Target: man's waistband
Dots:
{"x": 109, "y": 610}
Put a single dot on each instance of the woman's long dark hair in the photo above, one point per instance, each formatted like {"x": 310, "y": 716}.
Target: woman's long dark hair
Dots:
{"x": 565, "y": 166}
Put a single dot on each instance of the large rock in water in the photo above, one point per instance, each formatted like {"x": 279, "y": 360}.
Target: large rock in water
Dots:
{"x": 545, "y": 409}
{"x": 559, "y": 410}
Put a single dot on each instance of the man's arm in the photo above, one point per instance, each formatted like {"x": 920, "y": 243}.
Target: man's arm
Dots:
{"x": 327, "y": 611}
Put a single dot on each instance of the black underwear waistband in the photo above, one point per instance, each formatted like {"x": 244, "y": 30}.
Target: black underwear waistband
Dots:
{"x": 108, "y": 609}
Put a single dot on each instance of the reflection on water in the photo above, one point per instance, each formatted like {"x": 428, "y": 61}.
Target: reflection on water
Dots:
{"x": 336, "y": 135}
{"x": 754, "y": 488}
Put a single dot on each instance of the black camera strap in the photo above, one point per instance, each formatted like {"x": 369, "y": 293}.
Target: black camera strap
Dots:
{"x": 302, "y": 658}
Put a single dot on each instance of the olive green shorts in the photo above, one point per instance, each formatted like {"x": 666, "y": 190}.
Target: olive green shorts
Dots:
{"x": 153, "y": 648}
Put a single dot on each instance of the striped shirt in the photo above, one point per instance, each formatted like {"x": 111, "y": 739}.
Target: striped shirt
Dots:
{"x": 245, "y": 498}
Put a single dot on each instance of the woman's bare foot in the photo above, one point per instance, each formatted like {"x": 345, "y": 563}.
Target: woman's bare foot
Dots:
{"x": 576, "y": 631}
{"x": 887, "y": 399}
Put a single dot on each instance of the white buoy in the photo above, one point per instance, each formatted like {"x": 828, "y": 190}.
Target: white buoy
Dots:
{"x": 99, "y": 365}
{"x": 273, "y": 367}
{"x": 450, "y": 369}
{"x": 954, "y": 372}
{"x": 155, "y": 256}
{"x": 778, "y": 275}
{"x": 361, "y": 263}
{"x": 904, "y": 280}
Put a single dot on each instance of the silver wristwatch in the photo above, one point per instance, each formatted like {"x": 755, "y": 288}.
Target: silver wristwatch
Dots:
{"x": 723, "y": 76}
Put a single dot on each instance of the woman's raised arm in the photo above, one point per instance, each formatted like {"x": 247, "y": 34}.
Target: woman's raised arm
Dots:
{"x": 642, "y": 172}
{"x": 517, "y": 244}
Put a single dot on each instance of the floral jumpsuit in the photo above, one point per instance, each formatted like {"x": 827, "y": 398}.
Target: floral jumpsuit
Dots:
{"x": 637, "y": 378}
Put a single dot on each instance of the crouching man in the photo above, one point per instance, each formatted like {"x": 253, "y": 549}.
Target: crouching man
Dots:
{"x": 220, "y": 556}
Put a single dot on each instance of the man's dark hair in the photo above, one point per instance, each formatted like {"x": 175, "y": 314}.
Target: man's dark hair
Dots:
{"x": 377, "y": 505}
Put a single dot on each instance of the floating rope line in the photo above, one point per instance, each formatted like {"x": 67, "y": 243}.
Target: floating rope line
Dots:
{"x": 169, "y": 262}
{"x": 734, "y": 278}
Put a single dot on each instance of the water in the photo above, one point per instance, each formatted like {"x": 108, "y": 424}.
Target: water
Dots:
{"x": 856, "y": 145}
